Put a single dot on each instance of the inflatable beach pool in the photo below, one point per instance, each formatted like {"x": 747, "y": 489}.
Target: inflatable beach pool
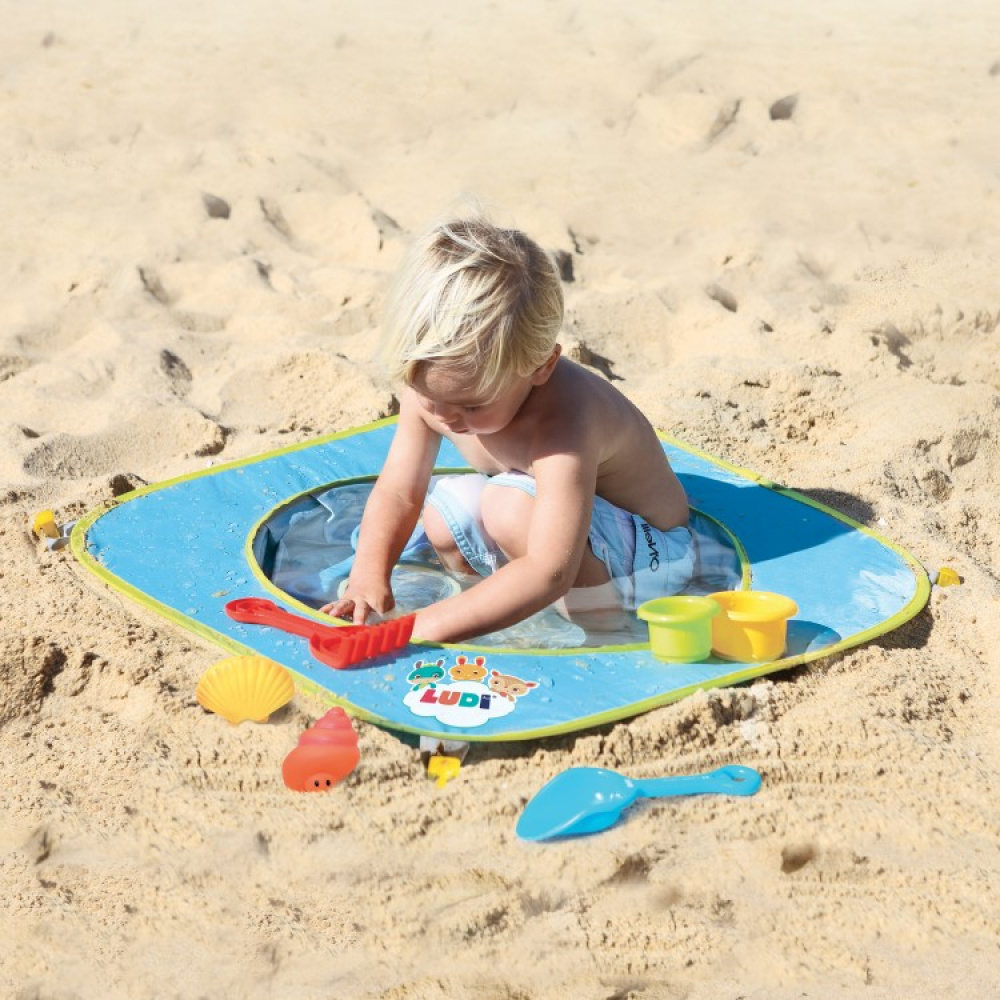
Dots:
{"x": 272, "y": 526}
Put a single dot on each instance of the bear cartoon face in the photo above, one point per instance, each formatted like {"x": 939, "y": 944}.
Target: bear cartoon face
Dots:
{"x": 508, "y": 686}
{"x": 466, "y": 671}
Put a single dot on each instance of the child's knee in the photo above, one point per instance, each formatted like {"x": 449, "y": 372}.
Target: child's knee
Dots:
{"x": 506, "y": 515}
{"x": 437, "y": 531}
{"x": 439, "y": 535}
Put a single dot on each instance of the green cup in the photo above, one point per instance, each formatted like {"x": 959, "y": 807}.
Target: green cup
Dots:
{"x": 680, "y": 628}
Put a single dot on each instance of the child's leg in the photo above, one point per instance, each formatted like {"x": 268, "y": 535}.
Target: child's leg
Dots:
{"x": 454, "y": 526}
{"x": 506, "y": 515}
{"x": 444, "y": 543}
{"x": 594, "y": 602}
{"x": 594, "y": 609}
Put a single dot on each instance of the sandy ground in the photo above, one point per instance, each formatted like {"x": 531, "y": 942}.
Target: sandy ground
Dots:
{"x": 784, "y": 228}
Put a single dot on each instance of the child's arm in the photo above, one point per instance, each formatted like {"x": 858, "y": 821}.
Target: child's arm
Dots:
{"x": 557, "y": 537}
{"x": 390, "y": 515}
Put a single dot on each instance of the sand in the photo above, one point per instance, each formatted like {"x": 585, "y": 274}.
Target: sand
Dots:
{"x": 783, "y": 223}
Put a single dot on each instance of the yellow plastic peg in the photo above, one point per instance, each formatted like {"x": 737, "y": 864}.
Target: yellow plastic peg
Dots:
{"x": 45, "y": 525}
{"x": 443, "y": 769}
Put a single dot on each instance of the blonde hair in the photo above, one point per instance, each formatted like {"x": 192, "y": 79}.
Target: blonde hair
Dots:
{"x": 481, "y": 300}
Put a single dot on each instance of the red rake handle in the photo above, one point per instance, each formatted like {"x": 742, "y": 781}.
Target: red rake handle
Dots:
{"x": 260, "y": 611}
{"x": 336, "y": 646}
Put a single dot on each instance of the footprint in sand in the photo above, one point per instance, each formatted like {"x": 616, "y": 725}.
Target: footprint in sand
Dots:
{"x": 797, "y": 856}
{"x": 31, "y": 662}
{"x": 178, "y": 374}
{"x": 151, "y": 282}
{"x": 275, "y": 218}
{"x": 152, "y": 441}
{"x": 346, "y": 228}
{"x": 685, "y": 117}
{"x": 564, "y": 264}
{"x": 579, "y": 352}
{"x": 217, "y": 208}
{"x": 388, "y": 228}
{"x": 11, "y": 365}
{"x": 193, "y": 321}
{"x": 724, "y": 119}
{"x": 294, "y": 394}
{"x": 891, "y": 340}
{"x": 964, "y": 445}
{"x": 125, "y": 482}
{"x": 783, "y": 109}
{"x": 723, "y": 296}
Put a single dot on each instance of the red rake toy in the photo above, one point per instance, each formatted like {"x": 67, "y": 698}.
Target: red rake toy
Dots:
{"x": 337, "y": 646}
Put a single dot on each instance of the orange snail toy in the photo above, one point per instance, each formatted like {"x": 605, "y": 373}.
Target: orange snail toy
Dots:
{"x": 326, "y": 754}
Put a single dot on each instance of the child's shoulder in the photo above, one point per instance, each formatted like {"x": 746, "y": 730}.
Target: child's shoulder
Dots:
{"x": 582, "y": 390}
{"x": 591, "y": 406}
{"x": 575, "y": 405}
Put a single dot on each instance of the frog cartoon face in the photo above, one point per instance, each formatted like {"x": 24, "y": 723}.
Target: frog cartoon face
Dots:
{"x": 426, "y": 674}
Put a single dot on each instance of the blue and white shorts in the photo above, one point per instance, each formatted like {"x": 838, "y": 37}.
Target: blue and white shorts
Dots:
{"x": 642, "y": 561}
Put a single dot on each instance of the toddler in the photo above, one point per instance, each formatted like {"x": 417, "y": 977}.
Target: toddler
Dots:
{"x": 573, "y": 501}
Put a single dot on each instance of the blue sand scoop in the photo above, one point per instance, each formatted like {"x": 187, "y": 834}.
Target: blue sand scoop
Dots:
{"x": 590, "y": 799}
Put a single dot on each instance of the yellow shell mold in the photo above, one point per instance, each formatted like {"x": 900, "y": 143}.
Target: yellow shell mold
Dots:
{"x": 245, "y": 688}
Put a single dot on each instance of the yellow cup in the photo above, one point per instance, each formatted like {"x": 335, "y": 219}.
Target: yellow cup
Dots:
{"x": 680, "y": 628}
{"x": 753, "y": 625}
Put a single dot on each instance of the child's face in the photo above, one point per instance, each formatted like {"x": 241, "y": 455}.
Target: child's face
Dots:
{"x": 450, "y": 399}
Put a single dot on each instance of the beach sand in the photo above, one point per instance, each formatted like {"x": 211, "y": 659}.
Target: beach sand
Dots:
{"x": 784, "y": 230}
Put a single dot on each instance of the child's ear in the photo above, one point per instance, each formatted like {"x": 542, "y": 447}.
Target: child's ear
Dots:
{"x": 544, "y": 372}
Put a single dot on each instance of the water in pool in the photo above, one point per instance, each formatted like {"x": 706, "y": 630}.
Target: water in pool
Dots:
{"x": 305, "y": 550}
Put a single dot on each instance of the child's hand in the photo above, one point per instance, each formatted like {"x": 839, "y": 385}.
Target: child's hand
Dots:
{"x": 359, "y": 601}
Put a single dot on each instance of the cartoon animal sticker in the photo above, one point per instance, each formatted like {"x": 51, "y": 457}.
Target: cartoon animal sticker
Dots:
{"x": 465, "y": 671}
{"x": 426, "y": 674}
{"x": 469, "y": 696}
{"x": 508, "y": 686}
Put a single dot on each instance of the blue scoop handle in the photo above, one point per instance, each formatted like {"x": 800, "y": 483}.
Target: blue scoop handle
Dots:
{"x": 585, "y": 800}
{"x": 733, "y": 779}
